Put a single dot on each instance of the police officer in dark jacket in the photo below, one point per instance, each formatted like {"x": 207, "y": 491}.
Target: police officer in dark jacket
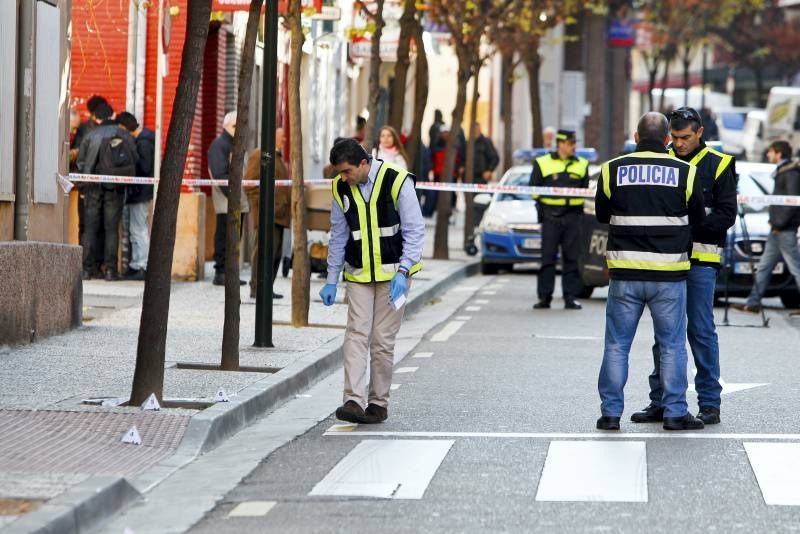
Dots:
{"x": 107, "y": 150}
{"x": 783, "y": 221}
{"x": 651, "y": 201}
{"x": 716, "y": 175}
{"x": 560, "y": 218}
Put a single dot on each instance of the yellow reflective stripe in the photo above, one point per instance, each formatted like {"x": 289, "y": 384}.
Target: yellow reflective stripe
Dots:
{"x": 724, "y": 164}
{"x": 334, "y": 186}
{"x": 699, "y": 156}
{"x": 650, "y": 257}
{"x": 647, "y": 154}
{"x": 398, "y": 183}
{"x": 690, "y": 182}
{"x": 361, "y": 206}
{"x": 649, "y": 265}
{"x": 553, "y": 201}
{"x": 707, "y": 257}
{"x": 374, "y": 229}
{"x": 706, "y": 252}
{"x": 604, "y": 177}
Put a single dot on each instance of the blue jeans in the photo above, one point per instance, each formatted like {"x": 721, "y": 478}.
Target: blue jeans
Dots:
{"x": 626, "y": 302}
{"x": 702, "y": 336}
{"x": 782, "y": 243}
{"x": 139, "y": 235}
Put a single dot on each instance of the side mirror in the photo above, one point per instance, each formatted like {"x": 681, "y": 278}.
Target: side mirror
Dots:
{"x": 482, "y": 199}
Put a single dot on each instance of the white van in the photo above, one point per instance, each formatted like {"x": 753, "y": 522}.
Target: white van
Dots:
{"x": 783, "y": 116}
{"x": 730, "y": 125}
{"x": 753, "y": 141}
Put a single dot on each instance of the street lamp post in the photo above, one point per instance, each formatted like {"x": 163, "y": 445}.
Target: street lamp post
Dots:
{"x": 266, "y": 193}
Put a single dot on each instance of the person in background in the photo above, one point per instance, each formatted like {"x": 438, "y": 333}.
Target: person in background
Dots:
{"x": 361, "y": 129}
{"x": 433, "y": 132}
{"x": 283, "y": 206}
{"x": 548, "y": 136}
{"x": 486, "y": 158}
{"x": 783, "y": 222}
{"x": 139, "y": 196}
{"x": 219, "y": 168}
{"x": 390, "y": 149}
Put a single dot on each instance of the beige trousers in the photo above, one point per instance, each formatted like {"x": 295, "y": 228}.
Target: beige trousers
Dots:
{"x": 372, "y": 325}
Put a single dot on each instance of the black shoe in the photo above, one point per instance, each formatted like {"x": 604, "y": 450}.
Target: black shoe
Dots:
{"x": 687, "y": 422}
{"x": 375, "y": 414}
{"x": 242, "y": 282}
{"x": 88, "y": 275}
{"x": 111, "y": 275}
{"x": 607, "y": 422}
{"x": 134, "y": 274}
{"x": 276, "y": 296}
{"x": 572, "y": 305}
{"x": 651, "y": 414}
{"x": 351, "y": 412}
{"x": 542, "y": 305}
{"x": 219, "y": 279}
{"x": 749, "y": 308}
{"x": 709, "y": 415}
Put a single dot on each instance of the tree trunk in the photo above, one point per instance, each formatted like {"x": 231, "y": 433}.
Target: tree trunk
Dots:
{"x": 532, "y": 64}
{"x": 397, "y": 108}
{"x": 758, "y": 74}
{"x": 230, "y": 330}
{"x": 420, "y": 96}
{"x": 374, "y": 77}
{"x": 469, "y": 165}
{"x": 664, "y": 82}
{"x": 506, "y": 88}
{"x": 652, "y": 74}
{"x": 686, "y": 60}
{"x": 148, "y": 376}
{"x": 440, "y": 240}
{"x": 301, "y": 267}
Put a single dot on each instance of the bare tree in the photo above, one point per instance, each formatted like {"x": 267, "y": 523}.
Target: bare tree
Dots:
{"x": 378, "y": 22}
{"x": 420, "y": 94}
{"x": 148, "y": 376}
{"x": 230, "y": 330}
{"x": 301, "y": 266}
{"x": 408, "y": 22}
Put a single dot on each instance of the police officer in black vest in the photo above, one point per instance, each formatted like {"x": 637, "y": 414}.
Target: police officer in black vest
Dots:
{"x": 652, "y": 202}
{"x": 560, "y": 218}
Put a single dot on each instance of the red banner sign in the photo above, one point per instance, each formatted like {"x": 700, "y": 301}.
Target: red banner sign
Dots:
{"x": 244, "y": 5}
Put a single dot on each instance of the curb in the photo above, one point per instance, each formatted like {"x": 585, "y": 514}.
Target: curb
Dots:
{"x": 80, "y": 508}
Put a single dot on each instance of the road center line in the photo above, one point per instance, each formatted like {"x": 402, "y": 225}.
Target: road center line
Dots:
{"x": 423, "y": 355}
{"x": 405, "y": 370}
{"x": 481, "y": 301}
{"x": 449, "y": 329}
{"x": 777, "y": 470}
{"x": 463, "y": 318}
{"x": 335, "y": 431}
{"x": 472, "y": 308}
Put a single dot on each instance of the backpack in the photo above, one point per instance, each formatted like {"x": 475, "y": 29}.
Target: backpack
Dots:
{"x": 115, "y": 157}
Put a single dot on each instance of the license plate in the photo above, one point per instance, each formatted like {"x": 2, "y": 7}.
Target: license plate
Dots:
{"x": 531, "y": 243}
{"x": 744, "y": 268}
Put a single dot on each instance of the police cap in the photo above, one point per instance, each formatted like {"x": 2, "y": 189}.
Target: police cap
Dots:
{"x": 565, "y": 135}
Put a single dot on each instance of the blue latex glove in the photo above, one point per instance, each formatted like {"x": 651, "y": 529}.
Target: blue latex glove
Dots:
{"x": 397, "y": 286}
{"x": 328, "y": 294}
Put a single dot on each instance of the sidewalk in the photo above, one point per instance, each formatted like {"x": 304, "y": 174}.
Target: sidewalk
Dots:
{"x": 51, "y": 441}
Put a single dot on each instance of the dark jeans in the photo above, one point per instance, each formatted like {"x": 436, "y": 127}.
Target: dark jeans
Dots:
{"x": 99, "y": 238}
{"x": 102, "y": 208}
{"x": 277, "y": 251}
{"x": 563, "y": 231}
{"x": 702, "y": 339}
{"x": 219, "y": 240}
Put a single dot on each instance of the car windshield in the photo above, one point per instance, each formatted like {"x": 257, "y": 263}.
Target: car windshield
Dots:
{"x": 755, "y": 183}
{"x": 732, "y": 120}
{"x": 515, "y": 179}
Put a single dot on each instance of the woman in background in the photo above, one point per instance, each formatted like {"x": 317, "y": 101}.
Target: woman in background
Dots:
{"x": 390, "y": 149}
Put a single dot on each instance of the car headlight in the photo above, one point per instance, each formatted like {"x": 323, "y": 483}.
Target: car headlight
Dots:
{"x": 495, "y": 225}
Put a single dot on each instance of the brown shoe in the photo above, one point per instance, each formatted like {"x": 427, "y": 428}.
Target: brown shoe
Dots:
{"x": 749, "y": 308}
{"x": 376, "y": 414}
{"x": 351, "y": 412}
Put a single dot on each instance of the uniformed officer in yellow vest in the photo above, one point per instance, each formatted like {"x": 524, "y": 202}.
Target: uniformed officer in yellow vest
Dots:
{"x": 560, "y": 218}
{"x": 717, "y": 176}
{"x": 652, "y": 203}
{"x": 377, "y": 234}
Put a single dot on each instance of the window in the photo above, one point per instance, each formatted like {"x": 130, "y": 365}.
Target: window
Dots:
{"x": 8, "y": 86}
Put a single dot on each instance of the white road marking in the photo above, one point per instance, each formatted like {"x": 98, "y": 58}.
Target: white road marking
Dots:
{"x": 252, "y": 509}
{"x": 394, "y": 387}
{"x": 333, "y": 431}
{"x": 389, "y": 469}
{"x": 777, "y": 469}
{"x": 488, "y": 292}
{"x": 580, "y": 338}
{"x": 501, "y": 280}
{"x": 466, "y": 288}
{"x": 449, "y": 329}
{"x": 481, "y": 301}
{"x": 729, "y": 388}
{"x": 463, "y": 318}
{"x": 423, "y": 355}
{"x": 405, "y": 370}
{"x": 594, "y": 471}
{"x": 472, "y": 308}
{"x": 343, "y": 427}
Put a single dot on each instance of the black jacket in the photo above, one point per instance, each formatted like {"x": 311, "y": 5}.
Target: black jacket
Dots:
{"x": 145, "y": 167}
{"x": 219, "y": 158}
{"x": 486, "y": 158}
{"x": 91, "y": 144}
{"x": 787, "y": 182}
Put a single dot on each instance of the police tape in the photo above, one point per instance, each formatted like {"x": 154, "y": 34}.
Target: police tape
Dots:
{"x": 68, "y": 182}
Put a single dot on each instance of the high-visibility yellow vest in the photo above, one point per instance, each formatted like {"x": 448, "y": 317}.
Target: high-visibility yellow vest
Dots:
{"x": 375, "y": 243}
{"x": 558, "y": 172}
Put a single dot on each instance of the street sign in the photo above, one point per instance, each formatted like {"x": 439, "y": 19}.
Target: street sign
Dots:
{"x": 328, "y": 13}
{"x": 621, "y": 33}
{"x": 244, "y": 5}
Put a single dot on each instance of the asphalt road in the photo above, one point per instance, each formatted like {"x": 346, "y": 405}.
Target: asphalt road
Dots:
{"x": 492, "y": 430}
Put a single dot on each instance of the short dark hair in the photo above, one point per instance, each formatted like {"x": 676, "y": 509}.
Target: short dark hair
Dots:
{"x": 348, "y": 151}
{"x": 781, "y": 147}
{"x": 653, "y": 126}
{"x": 93, "y": 102}
{"x": 685, "y": 117}
{"x": 127, "y": 120}
{"x": 360, "y": 122}
{"x": 103, "y": 111}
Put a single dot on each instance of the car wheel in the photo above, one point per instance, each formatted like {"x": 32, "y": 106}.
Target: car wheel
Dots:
{"x": 489, "y": 268}
{"x": 471, "y": 250}
{"x": 790, "y": 298}
{"x": 586, "y": 292}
